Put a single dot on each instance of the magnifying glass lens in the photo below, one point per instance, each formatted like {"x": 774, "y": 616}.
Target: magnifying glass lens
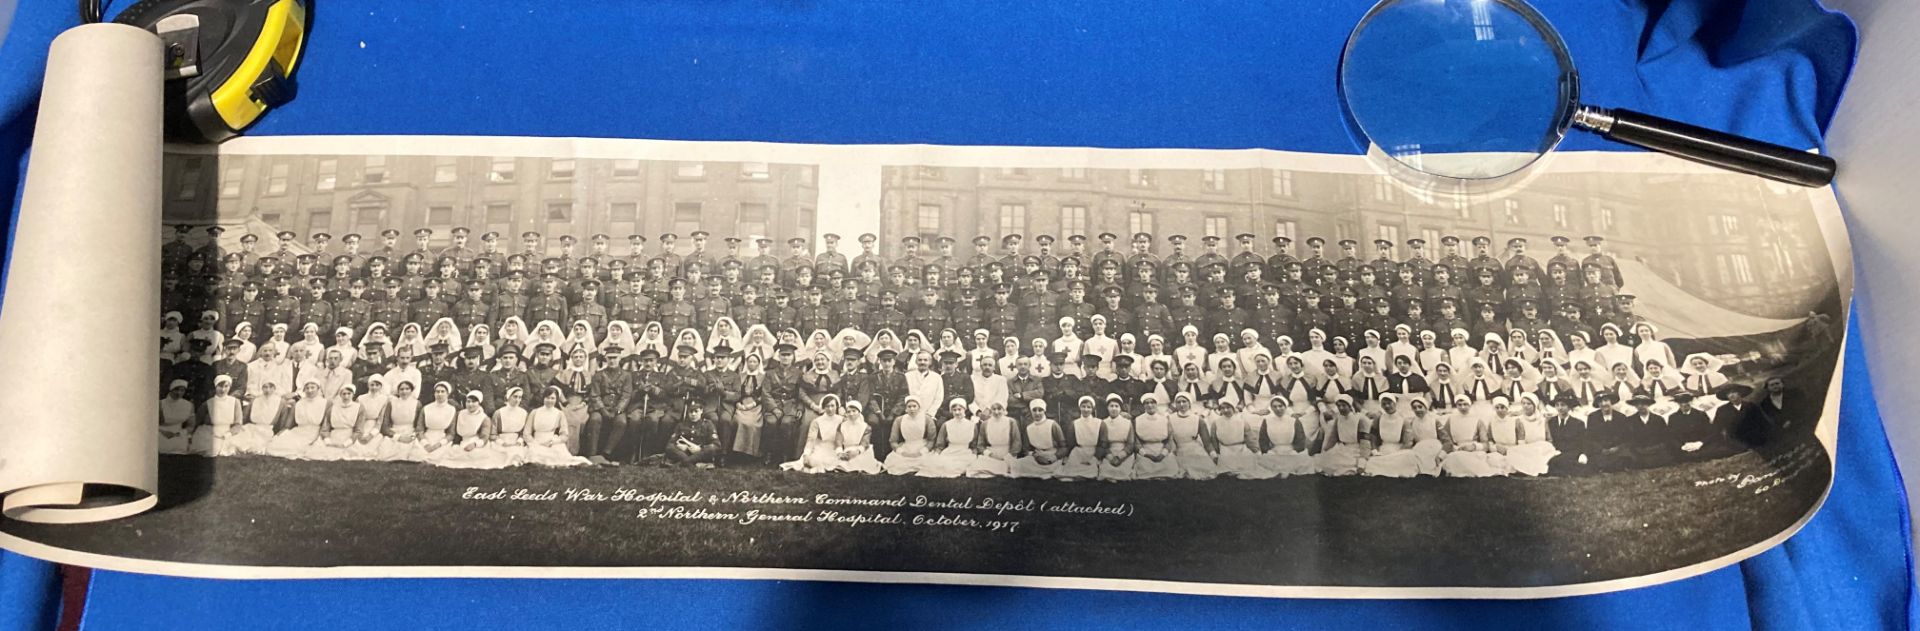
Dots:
{"x": 1466, "y": 89}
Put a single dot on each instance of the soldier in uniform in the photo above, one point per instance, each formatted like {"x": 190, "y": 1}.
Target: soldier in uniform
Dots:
{"x": 459, "y": 251}
{"x": 1273, "y": 315}
{"x": 1143, "y": 251}
{"x": 1039, "y": 308}
{"x": 353, "y": 310}
{"x": 1227, "y": 316}
{"x": 1418, "y": 261}
{"x": 1210, "y": 254}
{"x": 1316, "y": 257}
{"x": 1349, "y": 263}
{"x": 1003, "y": 315}
{"x": 830, "y": 259}
{"x": 887, "y": 315}
{"x": 927, "y": 313}
{"x": 392, "y": 306}
{"x": 1282, "y": 258}
{"x": 473, "y": 308}
{"x": 1108, "y": 251}
{"x": 636, "y": 257}
{"x": 1518, "y": 258}
{"x": 677, "y": 312}
{"x": 909, "y": 258}
{"x": 1383, "y": 256}
{"x": 1151, "y": 316}
{"x": 1446, "y": 318}
{"x": 1527, "y": 317}
{"x": 1010, "y": 257}
{"x": 797, "y": 259}
{"x": 699, "y": 254}
{"x": 1597, "y": 257}
{"x": 1563, "y": 255}
{"x": 869, "y": 253}
{"x": 1048, "y": 261}
{"x": 1246, "y": 257}
{"x": 1120, "y": 319}
{"x": 1453, "y": 259}
{"x": 1075, "y": 306}
{"x": 1311, "y": 315}
{"x": 549, "y": 304}
{"x": 175, "y": 252}
{"x": 814, "y": 314}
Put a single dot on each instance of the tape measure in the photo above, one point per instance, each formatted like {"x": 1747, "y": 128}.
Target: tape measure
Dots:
{"x": 228, "y": 61}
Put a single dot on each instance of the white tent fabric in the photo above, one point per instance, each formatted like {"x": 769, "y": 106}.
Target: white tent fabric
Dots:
{"x": 1679, "y": 314}
{"x": 240, "y": 226}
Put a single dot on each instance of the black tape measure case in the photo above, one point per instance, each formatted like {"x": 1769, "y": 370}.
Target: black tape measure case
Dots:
{"x": 228, "y": 61}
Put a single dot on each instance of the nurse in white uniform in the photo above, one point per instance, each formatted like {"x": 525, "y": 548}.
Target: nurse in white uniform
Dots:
{"x": 912, "y": 439}
{"x": 176, "y": 419}
{"x": 954, "y": 444}
{"x": 1043, "y": 439}
{"x": 1082, "y": 461}
{"x": 999, "y": 442}
{"x": 223, "y": 417}
{"x": 547, "y": 444}
{"x": 1192, "y": 447}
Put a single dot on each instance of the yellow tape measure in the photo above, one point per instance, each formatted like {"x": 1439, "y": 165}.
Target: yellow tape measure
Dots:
{"x": 228, "y": 61}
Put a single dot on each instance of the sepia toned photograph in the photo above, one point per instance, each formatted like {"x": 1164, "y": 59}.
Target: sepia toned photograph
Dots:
{"x": 1194, "y": 375}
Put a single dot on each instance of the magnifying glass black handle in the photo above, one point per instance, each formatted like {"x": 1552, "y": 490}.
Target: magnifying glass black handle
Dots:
{"x": 1700, "y": 144}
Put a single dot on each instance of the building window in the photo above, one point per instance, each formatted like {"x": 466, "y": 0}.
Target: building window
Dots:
{"x": 1512, "y": 210}
{"x": 1282, "y": 183}
{"x": 1140, "y": 221}
{"x": 1139, "y": 177}
{"x": 1560, "y": 215}
{"x": 373, "y": 170}
{"x": 559, "y": 211}
{"x": 623, "y": 218}
{"x": 753, "y": 220}
{"x": 929, "y": 173}
{"x": 690, "y": 170}
{"x": 368, "y": 218}
{"x": 445, "y": 170}
{"x": 560, "y": 170}
{"x": 502, "y": 170}
{"x": 1383, "y": 189}
{"x": 500, "y": 218}
{"x": 1214, "y": 179}
{"x": 1606, "y": 219}
{"x": 754, "y": 171}
{"x": 1287, "y": 228}
{"x": 1073, "y": 174}
{"x": 1389, "y": 232}
{"x": 624, "y": 168}
{"x": 1742, "y": 268}
{"x": 927, "y": 222}
{"x": 1073, "y": 220}
{"x": 326, "y": 174}
{"x": 499, "y": 213}
{"x": 1214, "y": 226}
{"x": 686, "y": 219}
{"x": 271, "y": 219}
{"x": 319, "y": 220}
{"x": 1728, "y": 225}
{"x": 1431, "y": 236}
{"x": 1013, "y": 172}
{"x": 1342, "y": 231}
{"x": 188, "y": 187}
{"x": 440, "y": 218}
{"x": 277, "y": 179}
{"x": 230, "y": 183}
{"x": 1013, "y": 219}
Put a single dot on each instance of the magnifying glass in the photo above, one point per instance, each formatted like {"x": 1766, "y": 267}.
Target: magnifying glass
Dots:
{"x": 1481, "y": 89}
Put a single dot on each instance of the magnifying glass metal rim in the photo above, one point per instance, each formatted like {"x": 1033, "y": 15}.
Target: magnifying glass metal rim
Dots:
{"x": 1569, "y": 81}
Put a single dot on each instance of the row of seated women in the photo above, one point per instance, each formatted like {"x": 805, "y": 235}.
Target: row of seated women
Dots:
{"x": 375, "y": 425}
{"x": 1178, "y": 439}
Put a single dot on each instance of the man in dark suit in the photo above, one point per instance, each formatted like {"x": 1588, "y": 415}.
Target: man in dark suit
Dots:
{"x": 1570, "y": 435}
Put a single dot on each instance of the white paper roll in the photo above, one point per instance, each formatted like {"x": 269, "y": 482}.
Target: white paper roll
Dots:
{"x": 79, "y": 336}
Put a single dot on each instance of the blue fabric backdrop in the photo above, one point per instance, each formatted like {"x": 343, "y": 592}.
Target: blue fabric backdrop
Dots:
{"x": 1129, "y": 74}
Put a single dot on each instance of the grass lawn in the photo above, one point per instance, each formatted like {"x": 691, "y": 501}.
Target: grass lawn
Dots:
{"x": 1296, "y": 531}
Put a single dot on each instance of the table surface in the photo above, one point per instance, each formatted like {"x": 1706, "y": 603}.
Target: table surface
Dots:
{"x": 1134, "y": 74}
